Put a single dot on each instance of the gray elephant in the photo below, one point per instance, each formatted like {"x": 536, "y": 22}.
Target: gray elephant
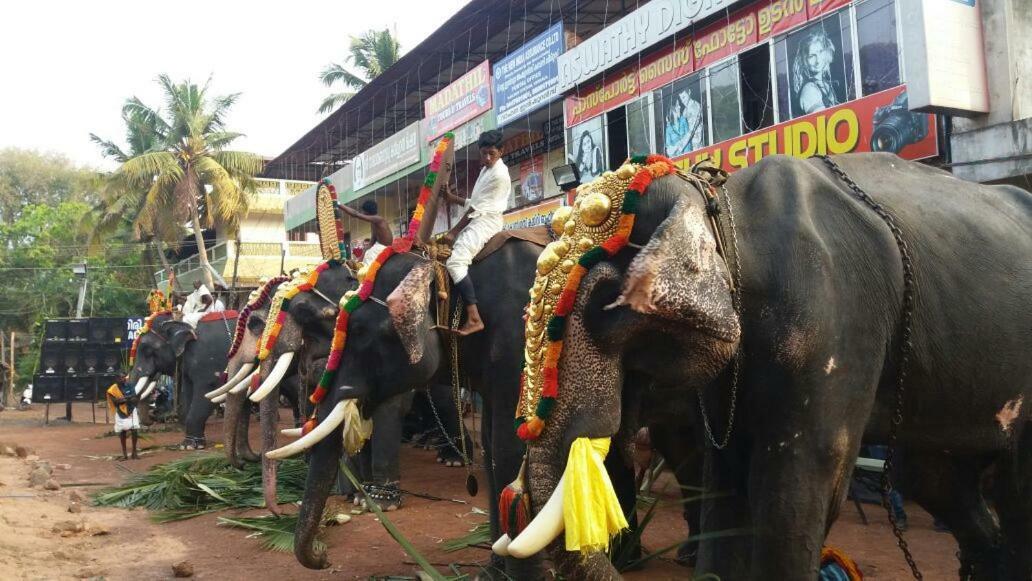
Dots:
{"x": 394, "y": 349}
{"x": 823, "y": 289}
{"x": 200, "y": 356}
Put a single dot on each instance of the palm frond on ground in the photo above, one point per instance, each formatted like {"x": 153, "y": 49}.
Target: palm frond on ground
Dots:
{"x": 480, "y": 534}
{"x": 199, "y": 485}
{"x": 275, "y": 532}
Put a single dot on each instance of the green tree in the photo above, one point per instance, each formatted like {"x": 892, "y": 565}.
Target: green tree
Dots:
{"x": 191, "y": 176}
{"x": 47, "y": 236}
{"x": 372, "y": 53}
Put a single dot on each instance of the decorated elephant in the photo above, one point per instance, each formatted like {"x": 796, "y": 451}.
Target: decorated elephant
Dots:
{"x": 810, "y": 306}
{"x": 165, "y": 345}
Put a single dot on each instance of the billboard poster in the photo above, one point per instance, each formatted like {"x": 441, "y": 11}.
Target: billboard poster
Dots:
{"x": 529, "y": 77}
{"x": 878, "y": 122}
{"x": 584, "y": 148}
{"x": 684, "y": 116}
{"x": 532, "y": 181}
{"x": 459, "y": 102}
{"x": 818, "y": 67}
{"x": 539, "y": 215}
{"x": 390, "y": 155}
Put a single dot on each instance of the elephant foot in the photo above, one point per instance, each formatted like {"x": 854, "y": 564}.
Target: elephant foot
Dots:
{"x": 449, "y": 456}
{"x": 189, "y": 444}
{"x": 386, "y": 496}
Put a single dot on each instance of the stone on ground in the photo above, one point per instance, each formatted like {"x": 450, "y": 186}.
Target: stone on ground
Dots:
{"x": 183, "y": 569}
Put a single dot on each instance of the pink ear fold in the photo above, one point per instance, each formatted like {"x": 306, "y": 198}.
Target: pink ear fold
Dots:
{"x": 408, "y": 305}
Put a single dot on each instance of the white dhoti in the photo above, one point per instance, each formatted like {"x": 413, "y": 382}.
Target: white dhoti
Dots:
{"x": 471, "y": 241}
{"x": 372, "y": 252}
{"x": 130, "y": 423}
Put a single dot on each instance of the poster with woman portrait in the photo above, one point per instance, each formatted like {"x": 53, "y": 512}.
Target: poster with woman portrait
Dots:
{"x": 816, "y": 75}
{"x": 684, "y": 116}
{"x": 585, "y": 148}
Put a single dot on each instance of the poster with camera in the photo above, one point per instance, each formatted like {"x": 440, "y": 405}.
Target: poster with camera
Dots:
{"x": 684, "y": 116}
{"x": 817, "y": 68}
{"x": 585, "y": 148}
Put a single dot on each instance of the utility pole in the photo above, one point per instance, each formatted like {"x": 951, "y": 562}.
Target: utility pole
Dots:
{"x": 10, "y": 370}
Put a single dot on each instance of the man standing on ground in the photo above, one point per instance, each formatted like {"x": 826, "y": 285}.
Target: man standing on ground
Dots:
{"x": 122, "y": 401}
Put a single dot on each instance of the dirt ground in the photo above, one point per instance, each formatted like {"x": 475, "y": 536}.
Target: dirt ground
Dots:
{"x": 121, "y": 544}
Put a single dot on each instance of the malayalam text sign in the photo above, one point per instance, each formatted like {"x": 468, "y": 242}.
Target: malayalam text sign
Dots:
{"x": 390, "y": 155}
{"x": 529, "y": 77}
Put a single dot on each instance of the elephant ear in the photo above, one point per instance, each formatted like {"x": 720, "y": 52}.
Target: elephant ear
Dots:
{"x": 178, "y": 335}
{"x": 408, "y": 305}
{"x": 680, "y": 276}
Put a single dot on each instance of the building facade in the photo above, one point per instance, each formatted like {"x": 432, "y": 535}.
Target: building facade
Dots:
{"x": 594, "y": 82}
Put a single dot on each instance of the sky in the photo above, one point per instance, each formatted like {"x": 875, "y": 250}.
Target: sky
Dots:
{"x": 67, "y": 67}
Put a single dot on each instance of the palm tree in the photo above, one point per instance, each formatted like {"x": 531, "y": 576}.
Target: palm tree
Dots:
{"x": 373, "y": 53}
{"x": 186, "y": 173}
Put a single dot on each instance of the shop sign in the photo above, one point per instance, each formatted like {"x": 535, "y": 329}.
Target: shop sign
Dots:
{"x": 528, "y": 143}
{"x": 646, "y": 26}
{"x": 529, "y": 77}
{"x": 390, "y": 155}
{"x": 538, "y": 215}
{"x": 878, "y": 122}
{"x": 741, "y": 30}
{"x": 459, "y": 102}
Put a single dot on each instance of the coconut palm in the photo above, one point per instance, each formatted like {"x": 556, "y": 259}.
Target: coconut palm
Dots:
{"x": 187, "y": 173}
{"x": 372, "y": 53}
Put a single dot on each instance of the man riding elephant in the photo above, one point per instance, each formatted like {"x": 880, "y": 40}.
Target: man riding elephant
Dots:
{"x": 814, "y": 305}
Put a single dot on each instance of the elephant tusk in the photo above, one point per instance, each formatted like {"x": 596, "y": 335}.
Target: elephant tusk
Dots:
{"x": 320, "y": 431}
{"x": 140, "y": 384}
{"x": 245, "y": 383}
{"x": 291, "y": 432}
{"x": 219, "y": 398}
{"x": 146, "y": 392}
{"x": 270, "y": 383}
{"x": 237, "y": 377}
{"x": 501, "y": 546}
{"x": 546, "y": 526}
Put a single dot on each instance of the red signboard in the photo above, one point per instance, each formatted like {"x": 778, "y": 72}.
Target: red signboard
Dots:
{"x": 878, "y": 122}
{"x": 742, "y": 29}
{"x": 459, "y": 102}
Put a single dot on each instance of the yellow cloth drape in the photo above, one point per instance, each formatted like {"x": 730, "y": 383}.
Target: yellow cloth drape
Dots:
{"x": 356, "y": 428}
{"x": 113, "y": 393}
{"x": 591, "y": 511}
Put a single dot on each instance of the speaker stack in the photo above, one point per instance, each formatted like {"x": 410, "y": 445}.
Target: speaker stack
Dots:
{"x": 80, "y": 358}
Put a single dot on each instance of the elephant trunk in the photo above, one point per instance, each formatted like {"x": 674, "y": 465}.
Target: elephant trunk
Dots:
{"x": 322, "y": 473}
{"x": 268, "y": 413}
{"x": 231, "y": 430}
{"x": 244, "y": 449}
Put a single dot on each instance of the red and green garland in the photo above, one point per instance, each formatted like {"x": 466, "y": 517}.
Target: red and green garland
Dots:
{"x": 263, "y": 295}
{"x": 349, "y": 304}
{"x": 529, "y": 426}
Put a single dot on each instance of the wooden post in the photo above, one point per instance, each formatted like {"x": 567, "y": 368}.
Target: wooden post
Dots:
{"x": 10, "y": 378}
{"x": 236, "y": 265}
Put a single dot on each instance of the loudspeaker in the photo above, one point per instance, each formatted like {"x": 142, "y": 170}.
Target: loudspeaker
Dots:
{"x": 51, "y": 359}
{"x": 111, "y": 362}
{"x": 78, "y": 330}
{"x": 55, "y": 331}
{"x": 48, "y": 388}
{"x": 92, "y": 358}
{"x": 72, "y": 360}
{"x": 80, "y": 388}
{"x": 107, "y": 330}
{"x": 104, "y": 381}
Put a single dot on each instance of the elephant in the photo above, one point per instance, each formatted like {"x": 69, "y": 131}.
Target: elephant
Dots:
{"x": 790, "y": 334}
{"x": 199, "y": 354}
{"x": 392, "y": 348}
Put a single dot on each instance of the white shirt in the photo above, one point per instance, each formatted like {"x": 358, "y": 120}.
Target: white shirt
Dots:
{"x": 491, "y": 192}
{"x": 218, "y": 306}
{"x": 193, "y": 301}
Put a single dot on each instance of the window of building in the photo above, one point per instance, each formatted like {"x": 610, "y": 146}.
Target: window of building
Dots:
{"x": 756, "y": 90}
{"x": 685, "y": 126}
{"x": 815, "y": 66}
{"x": 641, "y": 135}
{"x": 585, "y": 148}
{"x": 725, "y": 105}
{"x": 300, "y": 232}
{"x": 879, "y": 49}
{"x": 616, "y": 137}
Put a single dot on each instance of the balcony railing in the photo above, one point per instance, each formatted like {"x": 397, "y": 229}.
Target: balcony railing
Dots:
{"x": 266, "y": 257}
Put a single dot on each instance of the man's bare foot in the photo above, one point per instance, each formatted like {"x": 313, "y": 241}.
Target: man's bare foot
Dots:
{"x": 473, "y": 321}
{"x": 122, "y": 459}
{"x": 135, "y": 456}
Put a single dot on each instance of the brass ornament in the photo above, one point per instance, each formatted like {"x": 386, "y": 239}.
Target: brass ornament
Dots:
{"x": 592, "y": 219}
{"x": 559, "y": 219}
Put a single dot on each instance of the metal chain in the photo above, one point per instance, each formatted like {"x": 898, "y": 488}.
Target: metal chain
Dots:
{"x": 455, "y": 394}
{"x": 736, "y": 302}
{"x": 905, "y": 348}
